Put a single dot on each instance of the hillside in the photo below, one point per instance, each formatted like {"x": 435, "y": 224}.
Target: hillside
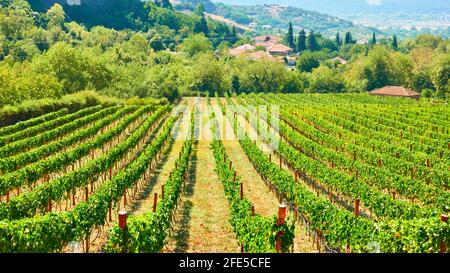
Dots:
{"x": 266, "y": 19}
{"x": 273, "y": 18}
{"x": 411, "y": 15}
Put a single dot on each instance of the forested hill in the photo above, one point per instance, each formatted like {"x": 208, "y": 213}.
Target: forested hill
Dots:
{"x": 118, "y": 14}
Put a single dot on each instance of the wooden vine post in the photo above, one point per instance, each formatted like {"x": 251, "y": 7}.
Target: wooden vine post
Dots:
{"x": 356, "y": 211}
{"x": 280, "y": 221}
{"x": 155, "y": 201}
{"x": 242, "y": 190}
{"x": 88, "y": 237}
{"x": 123, "y": 220}
{"x": 162, "y": 192}
{"x": 86, "y": 193}
{"x": 123, "y": 215}
{"x": 444, "y": 218}
{"x": 110, "y": 212}
{"x": 253, "y": 210}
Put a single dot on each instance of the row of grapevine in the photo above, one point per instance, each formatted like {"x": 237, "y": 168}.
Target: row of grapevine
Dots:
{"x": 340, "y": 227}
{"x": 52, "y": 231}
{"x": 368, "y": 127}
{"x": 51, "y": 124}
{"x": 403, "y": 116}
{"x": 32, "y": 122}
{"x": 28, "y": 204}
{"x": 338, "y": 138}
{"x": 359, "y": 121}
{"x": 31, "y": 173}
{"x": 308, "y": 151}
{"x": 148, "y": 233}
{"x": 26, "y": 144}
{"x": 257, "y": 234}
{"x": 437, "y": 165}
{"x": 100, "y": 120}
{"x": 378, "y": 176}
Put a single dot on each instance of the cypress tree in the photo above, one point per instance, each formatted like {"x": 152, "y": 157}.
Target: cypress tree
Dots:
{"x": 338, "y": 39}
{"x": 374, "y": 39}
{"x": 311, "y": 41}
{"x": 395, "y": 42}
{"x": 301, "y": 42}
{"x": 348, "y": 38}
{"x": 200, "y": 9}
{"x": 290, "y": 36}
{"x": 235, "y": 84}
{"x": 201, "y": 26}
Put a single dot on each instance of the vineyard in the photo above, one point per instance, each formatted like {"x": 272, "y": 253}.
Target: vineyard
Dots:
{"x": 255, "y": 173}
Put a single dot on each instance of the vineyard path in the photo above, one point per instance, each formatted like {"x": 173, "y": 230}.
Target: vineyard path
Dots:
{"x": 202, "y": 219}
{"x": 302, "y": 242}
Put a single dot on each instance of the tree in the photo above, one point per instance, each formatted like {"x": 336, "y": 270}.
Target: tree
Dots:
{"x": 325, "y": 80}
{"x": 440, "y": 75}
{"x": 200, "y": 10}
{"x": 348, "y": 38}
{"x": 75, "y": 68}
{"x": 55, "y": 16}
{"x": 209, "y": 75}
{"x": 233, "y": 36}
{"x": 262, "y": 76}
{"x": 311, "y": 41}
{"x": 308, "y": 61}
{"x": 157, "y": 43}
{"x": 301, "y": 41}
{"x": 382, "y": 67}
{"x": 394, "y": 43}
{"x": 428, "y": 40}
{"x": 14, "y": 23}
{"x": 201, "y": 26}
{"x": 374, "y": 39}
{"x": 195, "y": 44}
{"x": 296, "y": 82}
{"x": 423, "y": 59}
{"x": 290, "y": 36}
{"x": 338, "y": 40}
{"x": 235, "y": 84}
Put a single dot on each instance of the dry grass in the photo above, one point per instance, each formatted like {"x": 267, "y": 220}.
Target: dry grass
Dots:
{"x": 302, "y": 244}
{"x": 202, "y": 220}
{"x": 161, "y": 173}
{"x": 255, "y": 190}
